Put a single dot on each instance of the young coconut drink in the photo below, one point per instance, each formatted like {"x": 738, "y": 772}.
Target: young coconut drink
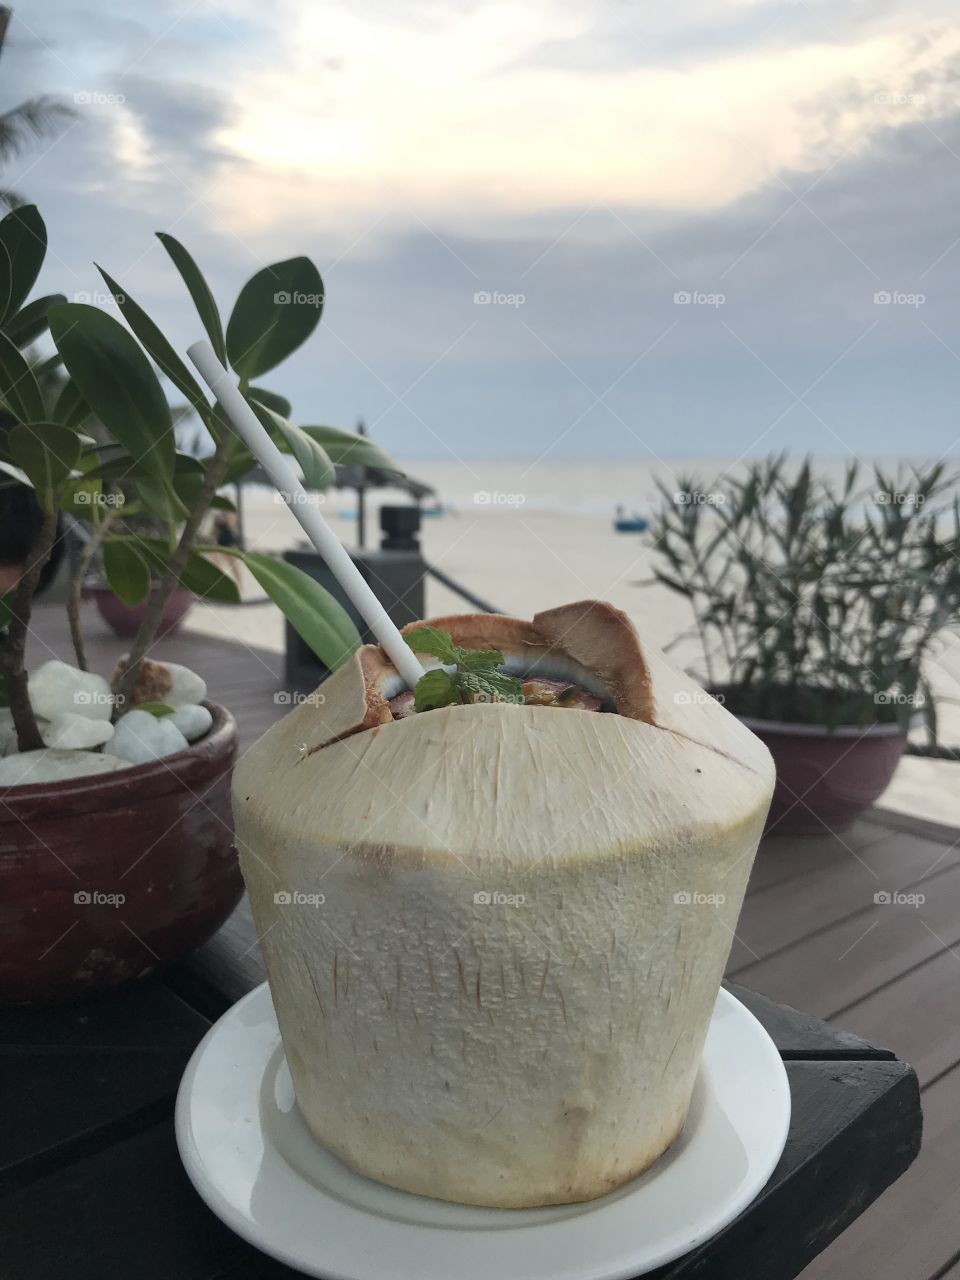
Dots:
{"x": 495, "y": 930}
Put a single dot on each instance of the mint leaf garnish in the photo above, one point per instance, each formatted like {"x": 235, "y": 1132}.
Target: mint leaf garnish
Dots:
{"x": 435, "y": 689}
{"x": 439, "y": 644}
{"x": 478, "y": 675}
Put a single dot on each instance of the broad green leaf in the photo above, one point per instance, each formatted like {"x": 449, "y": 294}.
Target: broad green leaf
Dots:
{"x": 19, "y": 389}
{"x": 220, "y": 502}
{"x": 435, "y": 689}
{"x": 158, "y": 709}
{"x": 321, "y": 621}
{"x": 71, "y": 409}
{"x": 480, "y": 659}
{"x": 126, "y": 570}
{"x": 348, "y": 448}
{"x": 270, "y": 398}
{"x": 435, "y": 641}
{"x": 200, "y": 575}
{"x": 276, "y": 312}
{"x": 318, "y": 470}
{"x": 156, "y": 344}
{"x": 117, "y": 381}
{"x": 23, "y": 237}
{"x": 241, "y": 463}
{"x": 495, "y": 686}
{"x": 31, "y": 321}
{"x": 47, "y": 452}
{"x": 203, "y": 299}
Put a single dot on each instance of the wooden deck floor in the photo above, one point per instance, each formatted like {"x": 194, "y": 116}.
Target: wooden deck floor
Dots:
{"x": 813, "y": 934}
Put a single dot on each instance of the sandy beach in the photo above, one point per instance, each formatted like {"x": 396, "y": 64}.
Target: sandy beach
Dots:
{"x": 527, "y": 539}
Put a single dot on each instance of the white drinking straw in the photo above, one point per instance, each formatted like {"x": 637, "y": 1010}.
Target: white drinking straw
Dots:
{"x": 255, "y": 437}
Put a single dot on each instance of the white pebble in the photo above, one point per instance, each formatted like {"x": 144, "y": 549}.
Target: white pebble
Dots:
{"x": 187, "y": 688}
{"x": 51, "y": 765}
{"x": 75, "y": 732}
{"x": 140, "y": 737}
{"x": 192, "y": 720}
{"x": 55, "y": 688}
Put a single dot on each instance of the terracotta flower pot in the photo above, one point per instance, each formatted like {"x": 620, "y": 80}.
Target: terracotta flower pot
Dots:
{"x": 827, "y": 777}
{"x": 125, "y": 619}
{"x": 109, "y": 878}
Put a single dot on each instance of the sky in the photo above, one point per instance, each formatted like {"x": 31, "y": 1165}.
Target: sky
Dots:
{"x": 553, "y": 229}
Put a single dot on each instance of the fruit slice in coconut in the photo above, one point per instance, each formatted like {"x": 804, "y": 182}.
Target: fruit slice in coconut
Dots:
{"x": 495, "y": 933}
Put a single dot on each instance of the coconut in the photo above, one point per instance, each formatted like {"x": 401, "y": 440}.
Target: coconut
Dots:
{"x": 495, "y": 934}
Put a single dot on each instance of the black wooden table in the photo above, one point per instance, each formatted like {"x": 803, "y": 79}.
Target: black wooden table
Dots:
{"x": 91, "y": 1185}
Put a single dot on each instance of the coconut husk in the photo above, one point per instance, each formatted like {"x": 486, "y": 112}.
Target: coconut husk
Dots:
{"x": 503, "y": 996}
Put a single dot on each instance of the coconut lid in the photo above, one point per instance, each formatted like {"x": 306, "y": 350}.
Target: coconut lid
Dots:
{"x": 671, "y": 760}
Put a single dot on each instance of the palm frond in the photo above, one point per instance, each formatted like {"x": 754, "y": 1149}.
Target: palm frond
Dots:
{"x": 41, "y": 117}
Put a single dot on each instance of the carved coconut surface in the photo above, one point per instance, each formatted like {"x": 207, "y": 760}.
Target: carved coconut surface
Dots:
{"x": 495, "y": 934}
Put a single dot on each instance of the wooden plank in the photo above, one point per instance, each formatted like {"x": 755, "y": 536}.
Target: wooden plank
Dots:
{"x": 787, "y": 912}
{"x": 76, "y": 1077}
{"x": 913, "y": 1232}
{"x": 783, "y": 857}
{"x": 126, "y": 1211}
{"x": 855, "y": 1129}
{"x": 833, "y": 969}
{"x": 801, "y": 1036}
{"x": 919, "y": 1014}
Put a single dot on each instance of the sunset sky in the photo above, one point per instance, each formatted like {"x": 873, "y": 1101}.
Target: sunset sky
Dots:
{"x": 780, "y": 163}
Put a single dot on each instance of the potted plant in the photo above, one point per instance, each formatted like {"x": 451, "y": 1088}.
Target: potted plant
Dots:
{"x": 816, "y": 604}
{"x": 116, "y": 851}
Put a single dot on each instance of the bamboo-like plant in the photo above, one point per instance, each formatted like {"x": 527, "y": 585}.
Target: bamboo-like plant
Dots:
{"x": 130, "y": 463}
{"x": 816, "y": 602}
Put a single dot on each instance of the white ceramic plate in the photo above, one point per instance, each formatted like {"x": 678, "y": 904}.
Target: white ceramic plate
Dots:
{"x": 253, "y": 1160}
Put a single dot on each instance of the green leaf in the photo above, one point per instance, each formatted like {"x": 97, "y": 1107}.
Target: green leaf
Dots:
{"x": 495, "y": 686}
{"x": 435, "y": 689}
{"x": 199, "y": 575}
{"x": 19, "y": 389}
{"x": 320, "y": 620}
{"x": 23, "y": 239}
{"x": 126, "y": 570}
{"x": 157, "y": 345}
{"x": 480, "y": 659}
{"x": 31, "y": 321}
{"x": 47, "y": 452}
{"x": 157, "y": 709}
{"x": 276, "y": 311}
{"x": 318, "y": 471}
{"x": 270, "y": 398}
{"x": 348, "y": 448}
{"x": 117, "y": 381}
{"x": 435, "y": 641}
{"x": 203, "y": 299}
{"x": 71, "y": 409}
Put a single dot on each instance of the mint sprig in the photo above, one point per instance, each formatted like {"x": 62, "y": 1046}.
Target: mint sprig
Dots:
{"x": 478, "y": 676}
